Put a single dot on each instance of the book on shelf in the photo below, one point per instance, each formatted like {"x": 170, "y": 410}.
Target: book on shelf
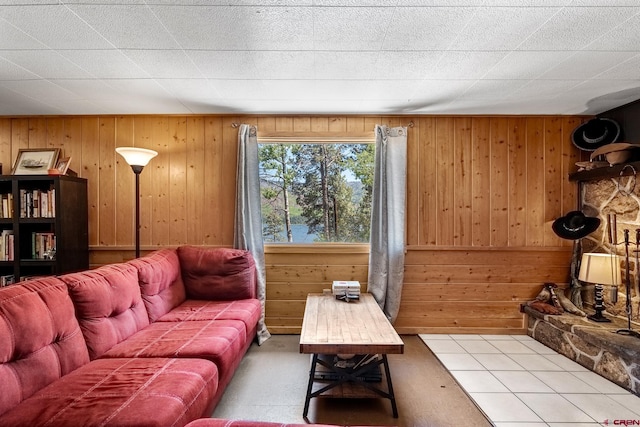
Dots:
{"x": 7, "y": 279}
{"x": 37, "y": 203}
{"x": 43, "y": 245}
{"x": 6, "y": 210}
{"x": 6, "y": 245}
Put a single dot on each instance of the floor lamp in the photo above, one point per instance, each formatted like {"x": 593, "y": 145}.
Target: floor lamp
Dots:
{"x": 137, "y": 158}
{"x": 599, "y": 269}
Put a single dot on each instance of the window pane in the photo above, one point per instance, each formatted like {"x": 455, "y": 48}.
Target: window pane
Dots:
{"x": 316, "y": 192}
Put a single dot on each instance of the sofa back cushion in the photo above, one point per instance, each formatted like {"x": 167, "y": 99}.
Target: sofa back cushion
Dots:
{"x": 160, "y": 282}
{"x": 217, "y": 273}
{"x": 40, "y": 339}
{"x": 108, "y": 305}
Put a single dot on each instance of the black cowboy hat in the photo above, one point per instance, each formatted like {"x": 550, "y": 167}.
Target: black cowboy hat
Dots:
{"x": 595, "y": 133}
{"x": 575, "y": 225}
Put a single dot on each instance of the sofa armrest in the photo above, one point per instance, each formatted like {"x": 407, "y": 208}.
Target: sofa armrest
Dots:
{"x": 217, "y": 273}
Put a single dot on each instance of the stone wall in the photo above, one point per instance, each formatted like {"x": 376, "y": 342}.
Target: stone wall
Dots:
{"x": 619, "y": 196}
{"x": 593, "y": 345}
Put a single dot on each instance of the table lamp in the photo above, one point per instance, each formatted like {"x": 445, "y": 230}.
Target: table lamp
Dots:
{"x": 600, "y": 269}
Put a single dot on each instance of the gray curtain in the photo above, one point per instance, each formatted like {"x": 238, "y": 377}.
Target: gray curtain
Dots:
{"x": 248, "y": 220}
{"x": 386, "y": 259}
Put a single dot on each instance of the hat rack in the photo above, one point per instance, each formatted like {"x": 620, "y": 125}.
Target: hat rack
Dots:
{"x": 627, "y": 169}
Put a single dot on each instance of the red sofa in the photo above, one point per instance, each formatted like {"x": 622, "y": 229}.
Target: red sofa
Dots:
{"x": 150, "y": 342}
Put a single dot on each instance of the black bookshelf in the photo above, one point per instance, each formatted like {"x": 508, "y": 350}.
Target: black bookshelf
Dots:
{"x": 41, "y": 211}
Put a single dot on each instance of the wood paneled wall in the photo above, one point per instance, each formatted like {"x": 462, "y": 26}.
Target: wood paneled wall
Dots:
{"x": 481, "y": 195}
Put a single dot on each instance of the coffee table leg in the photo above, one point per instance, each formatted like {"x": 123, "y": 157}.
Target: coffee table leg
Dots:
{"x": 312, "y": 374}
{"x": 392, "y": 396}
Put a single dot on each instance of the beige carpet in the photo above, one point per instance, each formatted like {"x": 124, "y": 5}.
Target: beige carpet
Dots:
{"x": 271, "y": 382}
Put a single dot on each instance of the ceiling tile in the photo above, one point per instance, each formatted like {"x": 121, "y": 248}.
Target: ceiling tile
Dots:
{"x": 586, "y": 65}
{"x": 464, "y": 65}
{"x": 491, "y": 90}
{"x": 274, "y": 64}
{"x": 345, "y": 65}
{"x": 15, "y": 104}
{"x": 14, "y": 38}
{"x": 628, "y": 70}
{"x": 11, "y": 71}
{"x": 416, "y": 28}
{"x": 164, "y": 63}
{"x": 104, "y": 64}
{"x": 501, "y": 28}
{"x": 350, "y": 28}
{"x": 573, "y": 28}
{"x": 624, "y": 36}
{"x": 224, "y": 64}
{"x": 186, "y": 89}
{"x": 526, "y": 65}
{"x": 192, "y": 26}
{"x": 47, "y": 64}
{"x": 127, "y": 26}
{"x": 595, "y": 96}
{"x": 405, "y": 65}
{"x": 55, "y": 26}
{"x": 43, "y": 90}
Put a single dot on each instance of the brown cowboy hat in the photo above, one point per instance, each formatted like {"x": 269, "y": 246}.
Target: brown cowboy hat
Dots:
{"x": 595, "y": 133}
{"x": 575, "y": 225}
{"x": 615, "y": 153}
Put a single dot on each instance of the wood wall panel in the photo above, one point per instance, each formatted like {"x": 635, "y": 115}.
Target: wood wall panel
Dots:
{"x": 481, "y": 195}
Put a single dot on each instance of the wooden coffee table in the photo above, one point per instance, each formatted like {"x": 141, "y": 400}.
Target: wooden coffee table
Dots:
{"x": 336, "y": 327}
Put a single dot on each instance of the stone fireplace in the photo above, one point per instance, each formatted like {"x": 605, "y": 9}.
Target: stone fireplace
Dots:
{"x": 597, "y": 346}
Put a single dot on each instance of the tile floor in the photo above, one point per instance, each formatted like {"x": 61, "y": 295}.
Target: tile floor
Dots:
{"x": 519, "y": 382}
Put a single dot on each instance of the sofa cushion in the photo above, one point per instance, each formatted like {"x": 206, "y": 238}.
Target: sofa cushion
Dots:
{"x": 108, "y": 305}
{"x": 246, "y": 310}
{"x": 40, "y": 339}
{"x": 160, "y": 281}
{"x": 217, "y": 273}
{"x": 219, "y": 422}
{"x": 220, "y": 341}
{"x": 122, "y": 392}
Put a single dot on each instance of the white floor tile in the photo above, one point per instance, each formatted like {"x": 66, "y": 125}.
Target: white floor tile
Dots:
{"x": 460, "y": 362}
{"x": 629, "y": 401}
{"x": 523, "y": 338}
{"x": 538, "y": 347}
{"x": 574, "y": 424}
{"x": 479, "y": 381}
{"x": 498, "y": 362}
{"x": 535, "y": 362}
{"x": 501, "y": 407}
{"x": 498, "y": 337}
{"x": 600, "y": 383}
{"x": 466, "y": 337}
{"x": 564, "y": 382}
{"x": 424, "y": 337}
{"x": 565, "y": 363}
{"x": 511, "y": 347}
{"x": 521, "y": 382}
{"x": 444, "y": 346}
{"x": 520, "y": 424}
{"x": 601, "y": 407}
{"x": 553, "y": 408}
{"x": 477, "y": 346}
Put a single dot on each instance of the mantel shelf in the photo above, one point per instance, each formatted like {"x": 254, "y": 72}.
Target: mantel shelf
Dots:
{"x": 606, "y": 172}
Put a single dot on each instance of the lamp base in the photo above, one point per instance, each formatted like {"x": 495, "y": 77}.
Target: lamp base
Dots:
{"x": 629, "y": 332}
{"x": 598, "y": 317}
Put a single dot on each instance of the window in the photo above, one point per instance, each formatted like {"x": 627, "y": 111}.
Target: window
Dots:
{"x": 316, "y": 192}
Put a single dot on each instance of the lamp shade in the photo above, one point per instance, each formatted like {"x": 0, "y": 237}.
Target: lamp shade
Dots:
{"x": 135, "y": 156}
{"x": 601, "y": 269}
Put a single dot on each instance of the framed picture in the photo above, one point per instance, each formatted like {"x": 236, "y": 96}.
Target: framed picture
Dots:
{"x": 35, "y": 161}
{"x": 63, "y": 165}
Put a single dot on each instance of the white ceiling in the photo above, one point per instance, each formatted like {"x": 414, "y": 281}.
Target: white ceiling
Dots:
{"x": 318, "y": 56}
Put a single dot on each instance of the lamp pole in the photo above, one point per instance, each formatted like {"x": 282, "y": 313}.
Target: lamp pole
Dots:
{"x": 137, "y": 170}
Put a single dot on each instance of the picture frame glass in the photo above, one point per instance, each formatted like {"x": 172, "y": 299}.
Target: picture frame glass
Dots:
{"x": 35, "y": 161}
